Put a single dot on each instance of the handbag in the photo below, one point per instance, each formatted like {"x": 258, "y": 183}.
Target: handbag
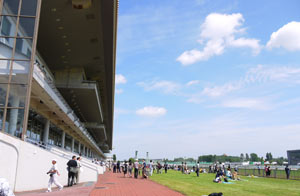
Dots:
{"x": 73, "y": 169}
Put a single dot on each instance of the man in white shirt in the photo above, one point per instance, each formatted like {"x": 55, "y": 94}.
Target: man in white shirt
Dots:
{"x": 53, "y": 172}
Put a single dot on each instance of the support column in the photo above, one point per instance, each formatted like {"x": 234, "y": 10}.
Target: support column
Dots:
{"x": 79, "y": 148}
{"x": 13, "y": 116}
{"x": 46, "y": 132}
{"x": 73, "y": 142}
{"x": 63, "y": 139}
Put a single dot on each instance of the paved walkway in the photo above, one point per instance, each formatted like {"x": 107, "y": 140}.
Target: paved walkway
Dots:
{"x": 110, "y": 184}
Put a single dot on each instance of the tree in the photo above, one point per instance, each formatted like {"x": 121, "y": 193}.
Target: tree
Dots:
{"x": 247, "y": 157}
{"x": 132, "y": 160}
{"x": 254, "y": 157}
{"x": 269, "y": 156}
{"x": 114, "y": 157}
{"x": 242, "y": 158}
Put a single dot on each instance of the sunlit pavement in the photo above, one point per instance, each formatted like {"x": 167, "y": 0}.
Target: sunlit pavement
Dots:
{"x": 110, "y": 184}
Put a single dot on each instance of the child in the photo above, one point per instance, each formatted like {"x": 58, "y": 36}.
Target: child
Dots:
{"x": 53, "y": 173}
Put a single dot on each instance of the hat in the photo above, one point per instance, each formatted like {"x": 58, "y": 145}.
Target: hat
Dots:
{"x": 54, "y": 160}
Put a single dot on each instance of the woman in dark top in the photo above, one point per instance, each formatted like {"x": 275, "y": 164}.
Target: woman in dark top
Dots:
{"x": 125, "y": 168}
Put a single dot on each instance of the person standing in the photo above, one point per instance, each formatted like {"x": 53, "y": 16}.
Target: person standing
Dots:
{"x": 130, "y": 166}
{"x": 125, "y": 168}
{"x": 72, "y": 169}
{"x": 118, "y": 167}
{"x": 53, "y": 172}
{"x": 182, "y": 168}
{"x": 136, "y": 169}
{"x": 151, "y": 167}
{"x": 197, "y": 168}
{"x": 287, "y": 171}
{"x": 166, "y": 167}
{"x": 78, "y": 169}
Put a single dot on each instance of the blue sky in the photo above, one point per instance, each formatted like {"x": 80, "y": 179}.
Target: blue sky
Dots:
{"x": 201, "y": 77}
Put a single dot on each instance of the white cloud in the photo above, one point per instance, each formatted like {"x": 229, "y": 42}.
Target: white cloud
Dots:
{"x": 279, "y": 74}
{"x": 287, "y": 37}
{"x": 164, "y": 86}
{"x": 120, "y": 79}
{"x": 193, "y": 82}
{"x": 119, "y": 91}
{"x": 151, "y": 111}
{"x": 218, "y": 32}
{"x": 248, "y": 103}
{"x": 217, "y": 91}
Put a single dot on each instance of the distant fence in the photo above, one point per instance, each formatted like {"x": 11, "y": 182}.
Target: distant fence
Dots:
{"x": 275, "y": 173}
{"x": 249, "y": 170}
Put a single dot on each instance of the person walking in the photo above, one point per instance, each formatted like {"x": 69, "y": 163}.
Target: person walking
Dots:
{"x": 197, "y": 168}
{"x": 53, "y": 172}
{"x": 144, "y": 168}
{"x": 287, "y": 172}
{"x": 118, "y": 167}
{"x": 114, "y": 167}
{"x": 130, "y": 166}
{"x": 72, "y": 169}
{"x": 78, "y": 170}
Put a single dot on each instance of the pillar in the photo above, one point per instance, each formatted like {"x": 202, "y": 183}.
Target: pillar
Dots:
{"x": 46, "y": 132}
{"x": 79, "y": 148}
{"x": 73, "y": 142}
{"x": 13, "y": 116}
{"x": 63, "y": 139}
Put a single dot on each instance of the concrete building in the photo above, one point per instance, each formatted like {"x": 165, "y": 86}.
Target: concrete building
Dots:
{"x": 57, "y": 73}
{"x": 293, "y": 157}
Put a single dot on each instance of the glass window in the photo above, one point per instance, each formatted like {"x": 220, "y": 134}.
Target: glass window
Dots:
{"x": 20, "y": 72}
{"x": 21, "y": 51}
{"x": 26, "y": 27}
{"x": 1, "y": 117}
{"x": 76, "y": 146}
{"x": 11, "y": 7}
{"x": 8, "y": 26}
{"x": 6, "y": 47}
{"x": 29, "y": 7}
{"x": 55, "y": 135}
{"x": 14, "y": 122}
{"x": 4, "y": 70}
{"x": 68, "y": 142}
{"x": 19, "y": 45}
{"x": 3, "y": 90}
{"x": 17, "y": 95}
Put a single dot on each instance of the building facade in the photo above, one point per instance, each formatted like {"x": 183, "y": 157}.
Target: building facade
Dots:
{"x": 293, "y": 157}
{"x": 57, "y": 72}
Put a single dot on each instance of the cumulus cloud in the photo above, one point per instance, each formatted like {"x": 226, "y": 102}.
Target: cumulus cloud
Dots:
{"x": 218, "y": 32}
{"x": 164, "y": 86}
{"x": 120, "y": 79}
{"x": 287, "y": 37}
{"x": 151, "y": 111}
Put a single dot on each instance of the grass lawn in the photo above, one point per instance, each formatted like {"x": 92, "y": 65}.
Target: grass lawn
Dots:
{"x": 192, "y": 185}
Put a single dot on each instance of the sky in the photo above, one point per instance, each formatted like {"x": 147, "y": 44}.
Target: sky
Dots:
{"x": 199, "y": 77}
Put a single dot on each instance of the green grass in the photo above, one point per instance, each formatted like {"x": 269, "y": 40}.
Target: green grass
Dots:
{"x": 191, "y": 185}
